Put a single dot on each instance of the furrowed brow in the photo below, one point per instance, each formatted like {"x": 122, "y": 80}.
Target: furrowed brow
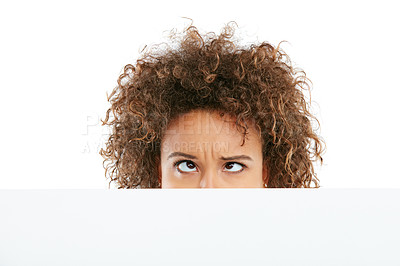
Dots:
{"x": 242, "y": 157}
{"x": 175, "y": 154}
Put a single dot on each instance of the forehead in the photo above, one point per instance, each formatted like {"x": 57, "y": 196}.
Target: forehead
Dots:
{"x": 208, "y": 128}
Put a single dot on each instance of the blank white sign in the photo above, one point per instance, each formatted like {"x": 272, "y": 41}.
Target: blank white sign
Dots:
{"x": 200, "y": 227}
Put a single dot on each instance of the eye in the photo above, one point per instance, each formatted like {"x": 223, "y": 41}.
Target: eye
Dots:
{"x": 234, "y": 167}
{"x": 186, "y": 166}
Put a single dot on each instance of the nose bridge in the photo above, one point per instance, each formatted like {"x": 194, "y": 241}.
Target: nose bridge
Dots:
{"x": 209, "y": 178}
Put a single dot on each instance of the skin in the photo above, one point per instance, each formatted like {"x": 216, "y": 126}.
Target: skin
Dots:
{"x": 202, "y": 142}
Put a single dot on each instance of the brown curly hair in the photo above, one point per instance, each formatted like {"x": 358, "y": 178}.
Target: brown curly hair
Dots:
{"x": 255, "y": 82}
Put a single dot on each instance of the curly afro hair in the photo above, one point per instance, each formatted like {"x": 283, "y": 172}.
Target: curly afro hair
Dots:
{"x": 256, "y": 82}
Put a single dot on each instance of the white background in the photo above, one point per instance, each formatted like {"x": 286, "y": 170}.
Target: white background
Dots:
{"x": 58, "y": 60}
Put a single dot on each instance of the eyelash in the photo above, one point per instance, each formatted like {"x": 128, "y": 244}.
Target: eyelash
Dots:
{"x": 176, "y": 163}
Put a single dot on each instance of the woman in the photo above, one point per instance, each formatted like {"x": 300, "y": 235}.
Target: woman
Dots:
{"x": 208, "y": 113}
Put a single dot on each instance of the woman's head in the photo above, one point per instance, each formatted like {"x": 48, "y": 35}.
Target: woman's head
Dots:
{"x": 256, "y": 89}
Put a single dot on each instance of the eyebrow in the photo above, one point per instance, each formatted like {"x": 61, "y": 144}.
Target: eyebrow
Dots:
{"x": 189, "y": 156}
